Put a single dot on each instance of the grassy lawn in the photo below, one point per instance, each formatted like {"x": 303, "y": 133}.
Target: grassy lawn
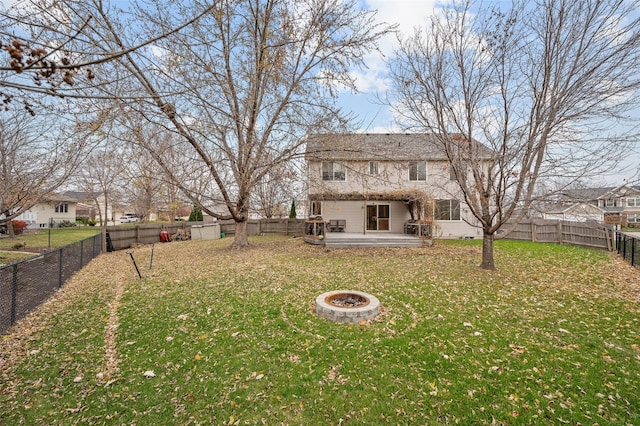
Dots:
{"x": 218, "y": 336}
{"x": 41, "y": 238}
{"x": 13, "y": 256}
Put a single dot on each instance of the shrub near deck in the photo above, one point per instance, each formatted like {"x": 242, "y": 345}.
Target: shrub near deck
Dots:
{"x": 551, "y": 337}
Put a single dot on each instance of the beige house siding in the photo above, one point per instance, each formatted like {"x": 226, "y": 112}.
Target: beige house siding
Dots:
{"x": 456, "y": 229}
{"x": 40, "y": 215}
{"x": 391, "y": 176}
{"x": 393, "y": 154}
{"x": 354, "y": 212}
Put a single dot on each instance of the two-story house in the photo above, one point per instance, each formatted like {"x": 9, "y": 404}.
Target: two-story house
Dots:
{"x": 612, "y": 205}
{"x": 381, "y": 182}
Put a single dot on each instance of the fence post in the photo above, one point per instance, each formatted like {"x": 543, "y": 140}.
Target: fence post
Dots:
{"x": 81, "y": 253}
{"x": 14, "y": 293}
{"x": 559, "y": 228}
{"x": 633, "y": 251}
{"x": 534, "y": 238}
{"x": 60, "y": 269}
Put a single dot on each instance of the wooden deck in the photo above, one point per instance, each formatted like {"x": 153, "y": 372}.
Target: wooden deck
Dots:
{"x": 374, "y": 239}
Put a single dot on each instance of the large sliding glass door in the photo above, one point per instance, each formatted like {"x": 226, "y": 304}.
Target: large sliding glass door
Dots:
{"x": 378, "y": 217}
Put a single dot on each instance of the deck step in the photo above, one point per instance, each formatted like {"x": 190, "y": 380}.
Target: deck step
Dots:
{"x": 354, "y": 241}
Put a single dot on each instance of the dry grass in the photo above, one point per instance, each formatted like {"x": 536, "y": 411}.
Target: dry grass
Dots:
{"x": 218, "y": 336}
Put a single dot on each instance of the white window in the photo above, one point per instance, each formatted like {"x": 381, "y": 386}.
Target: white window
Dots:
{"x": 333, "y": 171}
{"x": 633, "y": 218}
{"x": 374, "y": 168}
{"x": 447, "y": 210}
{"x": 610, "y": 203}
{"x": 417, "y": 170}
{"x": 633, "y": 202}
{"x": 62, "y": 208}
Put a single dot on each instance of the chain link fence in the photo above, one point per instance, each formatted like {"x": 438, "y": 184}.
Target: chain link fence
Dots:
{"x": 26, "y": 284}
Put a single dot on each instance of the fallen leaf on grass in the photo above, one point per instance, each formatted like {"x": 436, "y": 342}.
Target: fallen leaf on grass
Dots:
{"x": 149, "y": 373}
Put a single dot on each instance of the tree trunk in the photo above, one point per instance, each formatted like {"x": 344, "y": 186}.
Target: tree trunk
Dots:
{"x": 241, "y": 238}
{"x": 10, "y": 230}
{"x": 487, "y": 252}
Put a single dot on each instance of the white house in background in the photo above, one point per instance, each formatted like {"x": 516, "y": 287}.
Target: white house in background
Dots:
{"x": 579, "y": 212}
{"x": 369, "y": 182}
{"x": 55, "y": 209}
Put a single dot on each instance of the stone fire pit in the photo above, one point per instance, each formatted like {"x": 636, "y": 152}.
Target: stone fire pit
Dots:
{"x": 347, "y": 306}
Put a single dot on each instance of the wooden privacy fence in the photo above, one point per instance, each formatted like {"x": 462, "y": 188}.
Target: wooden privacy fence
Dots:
{"x": 124, "y": 236}
{"x": 292, "y": 227}
{"x": 586, "y": 234}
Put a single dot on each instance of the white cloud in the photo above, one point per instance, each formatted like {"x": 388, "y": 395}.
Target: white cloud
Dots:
{"x": 408, "y": 15}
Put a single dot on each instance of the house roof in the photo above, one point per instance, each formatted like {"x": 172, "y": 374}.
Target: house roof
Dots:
{"x": 80, "y": 195}
{"x": 584, "y": 207}
{"x": 380, "y": 146}
{"x": 604, "y": 193}
{"x": 58, "y": 198}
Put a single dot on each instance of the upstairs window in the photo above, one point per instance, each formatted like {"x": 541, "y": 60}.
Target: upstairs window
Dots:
{"x": 611, "y": 202}
{"x": 447, "y": 210}
{"x": 333, "y": 171}
{"x": 417, "y": 170}
{"x": 374, "y": 168}
{"x": 633, "y": 202}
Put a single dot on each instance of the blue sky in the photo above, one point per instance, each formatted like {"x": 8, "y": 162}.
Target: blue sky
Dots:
{"x": 373, "y": 117}
{"x": 407, "y": 14}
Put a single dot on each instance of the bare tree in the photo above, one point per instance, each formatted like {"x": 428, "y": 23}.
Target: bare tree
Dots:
{"x": 279, "y": 187}
{"x": 100, "y": 175}
{"x": 36, "y": 157}
{"x": 546, "y": 85}
{"x": 40, "y": 42}
{"x": 143, "y": 181}
{"x": 246, "y": 79}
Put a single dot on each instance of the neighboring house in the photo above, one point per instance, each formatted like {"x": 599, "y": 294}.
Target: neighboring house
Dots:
{"x": 55, "y": 209}
{"x": 612, "y": 205}
{"x": 579, "y": 212}
{"x": 377, "y": 183}
{"x": 88, "y": 204}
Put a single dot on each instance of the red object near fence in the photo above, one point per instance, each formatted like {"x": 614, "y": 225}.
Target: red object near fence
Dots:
{"x": 164, "y": 236}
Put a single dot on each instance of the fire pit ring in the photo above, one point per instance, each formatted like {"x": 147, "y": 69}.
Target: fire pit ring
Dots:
{"x": 347, "y": 306}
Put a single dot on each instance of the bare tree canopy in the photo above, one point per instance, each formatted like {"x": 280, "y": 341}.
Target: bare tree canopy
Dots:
{"x": 241, "y": 85}
{"x": 36, "y": 157}
{"x": 40, "y": 43}
{"x": 547, "y": 85}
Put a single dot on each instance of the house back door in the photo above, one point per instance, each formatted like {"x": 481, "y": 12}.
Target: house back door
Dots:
{"x": 378, "y": 217}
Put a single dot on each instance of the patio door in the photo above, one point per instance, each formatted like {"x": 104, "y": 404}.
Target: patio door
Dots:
{"x": 378, "y": 217}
